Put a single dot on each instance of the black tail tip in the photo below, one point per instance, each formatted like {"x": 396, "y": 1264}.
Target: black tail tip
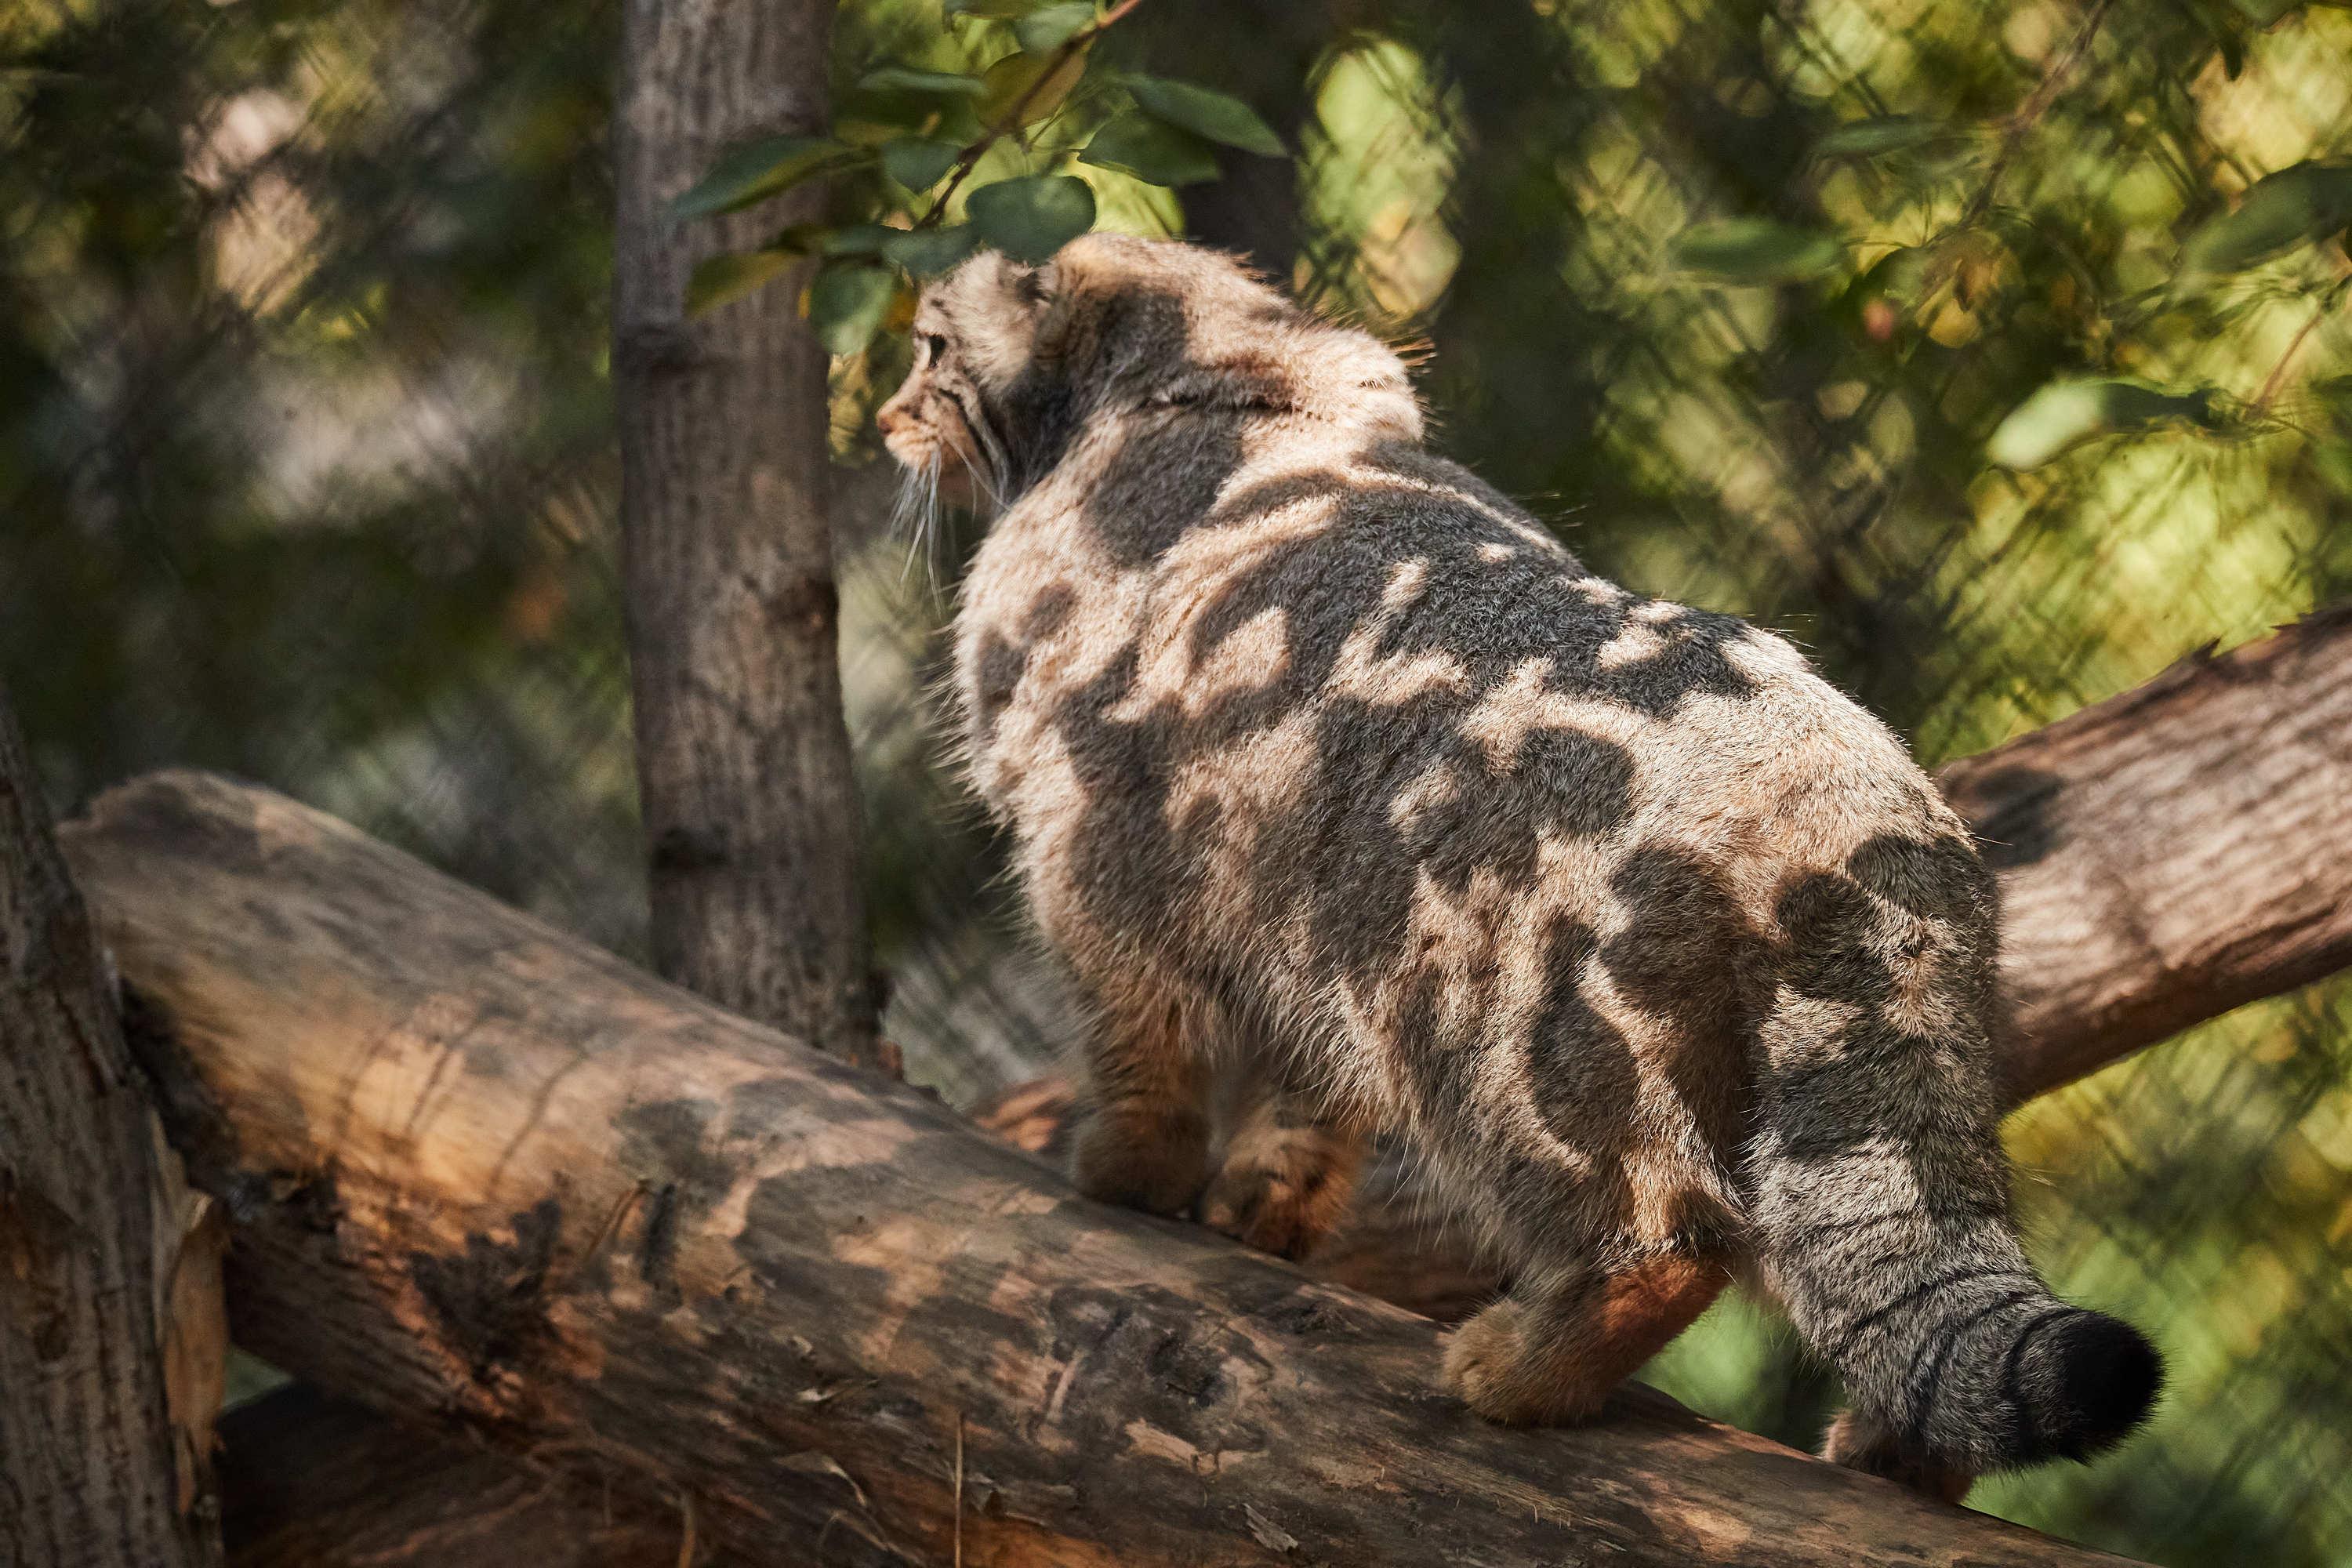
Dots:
{"x": 2092, "y": 1379}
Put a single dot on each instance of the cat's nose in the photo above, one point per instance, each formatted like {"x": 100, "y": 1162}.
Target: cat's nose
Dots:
{"x": 893, "y": 418}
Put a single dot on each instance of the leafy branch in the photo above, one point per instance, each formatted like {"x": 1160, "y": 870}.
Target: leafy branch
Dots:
{"x": 1071, "y": 52}
{"x": 2277, "y": 377}
{"x": 2028, "y": 113}
{"x": 886, "y": 147}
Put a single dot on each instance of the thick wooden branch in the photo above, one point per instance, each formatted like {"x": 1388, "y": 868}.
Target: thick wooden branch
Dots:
{"x": 2172, "y": 853}
{"x": 111, "y": 1339}
{"x": 482, "y": 1172}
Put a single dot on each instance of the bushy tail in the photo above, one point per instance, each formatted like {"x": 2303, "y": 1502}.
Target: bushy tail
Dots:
{"x": 1881, "y": 1205}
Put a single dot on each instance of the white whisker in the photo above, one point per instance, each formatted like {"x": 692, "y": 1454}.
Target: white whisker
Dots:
{"x": 986, "y": 485}
{"x": 917, "y": 511}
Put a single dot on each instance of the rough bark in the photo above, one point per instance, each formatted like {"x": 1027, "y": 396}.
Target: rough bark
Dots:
{"x": 308, "y": 1481}
{"x": 2173, "y": 852}
{"x": 743, "y": 760}
{"x": 485, "y": 1173}
{"x": 100, "y": 1248}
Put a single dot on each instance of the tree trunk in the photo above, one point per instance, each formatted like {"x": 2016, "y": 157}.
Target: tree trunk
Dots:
{"x": 485, "y": 1172}
{"x": 99, "y": 1251}
{"x": 751, "y": 812}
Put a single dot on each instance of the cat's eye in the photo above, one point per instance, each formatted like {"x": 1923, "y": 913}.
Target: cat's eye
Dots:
{"x": 935, "y": 348}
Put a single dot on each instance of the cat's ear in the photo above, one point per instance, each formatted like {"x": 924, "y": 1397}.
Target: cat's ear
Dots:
{"x": 1051, "y": 294}
{"x": 1038, "y": 286}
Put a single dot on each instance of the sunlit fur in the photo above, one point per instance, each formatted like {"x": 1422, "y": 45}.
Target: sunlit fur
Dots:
{"x": 1355, "y": 803}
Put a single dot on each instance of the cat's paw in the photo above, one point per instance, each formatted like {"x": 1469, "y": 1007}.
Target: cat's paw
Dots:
{"x": 1506, "y": 1373}
{"x": 1859, "y": 1443}
{"x": 1282, "y": 1189}
{"x": 1485, "y": 1365}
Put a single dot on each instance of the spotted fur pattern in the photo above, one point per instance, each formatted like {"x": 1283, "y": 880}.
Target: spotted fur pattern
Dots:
{"x": 1323, "y": 761}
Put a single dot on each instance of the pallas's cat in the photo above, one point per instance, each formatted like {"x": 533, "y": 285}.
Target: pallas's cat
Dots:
{"x": 1325, "y": 765}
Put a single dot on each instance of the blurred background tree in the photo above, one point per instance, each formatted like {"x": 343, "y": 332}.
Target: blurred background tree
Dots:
{"x": 1995, "y": 351}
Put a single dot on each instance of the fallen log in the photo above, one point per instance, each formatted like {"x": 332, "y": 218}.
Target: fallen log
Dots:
{"x": 481, "y": 1171}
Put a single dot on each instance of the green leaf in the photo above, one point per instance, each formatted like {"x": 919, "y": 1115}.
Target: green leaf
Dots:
{"x": 847, "y": 301}
{"x": 1052, "y": 77}
{"x": 873, "y": 119}
{"x": 734, "y": 274}
{"x": 2065, "y": 413}
{"x": 857, "y": 239}
{"x": 801, "y": 239}
{"x": 1756, "y": 250}
{"x": 758, "y": 170}
{"x": 2225, "y": 26}
{"x": 918, "y": 163}
{"x": 989, "y": 10}
{"x": 1051, "y": 27}
{"x": 1151, "y": 151}
{"x": 928, "y": 252}
{"x": 1204, "y": 113}
{"x": 1032, "y": 217}
{"x": 2281, "y": 211}
{"x": 912, "y": 79}
{"x": 1877, "y": 137}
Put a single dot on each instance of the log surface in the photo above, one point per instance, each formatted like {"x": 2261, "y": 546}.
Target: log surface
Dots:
{"x": 484, "y": 1173}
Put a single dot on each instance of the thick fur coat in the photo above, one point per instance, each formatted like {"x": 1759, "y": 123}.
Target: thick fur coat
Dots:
{"x": 1325, "y": 765}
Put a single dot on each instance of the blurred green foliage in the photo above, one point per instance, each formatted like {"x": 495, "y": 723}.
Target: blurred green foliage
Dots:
{"x": 1996, "y": 350}
{"x": 305, "y": 454}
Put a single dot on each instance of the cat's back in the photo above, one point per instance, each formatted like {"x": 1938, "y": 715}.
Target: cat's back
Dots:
{"x": 1273, "y": 662}
{"x": 1177, "y": 535}
{"x": 1212, "y": 579}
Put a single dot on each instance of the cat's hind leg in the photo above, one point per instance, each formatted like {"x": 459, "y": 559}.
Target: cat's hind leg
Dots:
{"x": 1141, "y": 1137}
{"x": 1289, "y": 1169}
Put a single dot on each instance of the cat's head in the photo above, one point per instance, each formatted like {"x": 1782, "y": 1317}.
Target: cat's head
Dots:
{"x": 1012, "y": 361}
